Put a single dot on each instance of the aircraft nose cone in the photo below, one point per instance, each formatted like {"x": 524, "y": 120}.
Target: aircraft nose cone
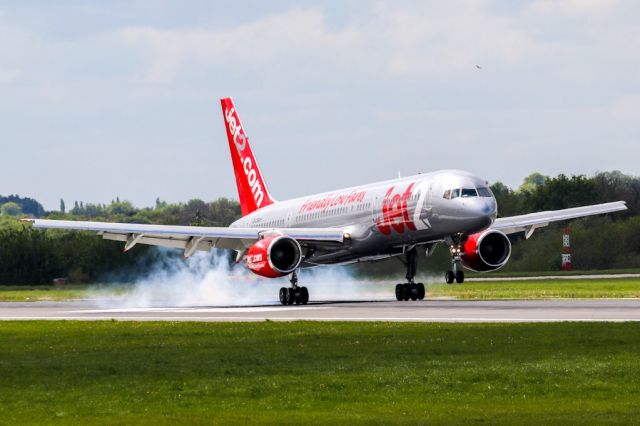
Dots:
{"x": 491, "y": 209}
{"x": 485, "y": 212}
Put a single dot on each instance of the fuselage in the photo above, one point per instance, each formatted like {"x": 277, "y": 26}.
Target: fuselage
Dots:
{"x": 382, "y": 219}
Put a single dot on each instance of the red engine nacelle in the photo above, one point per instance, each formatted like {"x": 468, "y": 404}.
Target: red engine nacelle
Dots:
{"x": 486, "y": 251}
{"x": 274, "y": 256}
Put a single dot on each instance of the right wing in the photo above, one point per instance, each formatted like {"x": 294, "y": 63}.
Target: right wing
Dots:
{"x": 189, "y": 238}
{"x": 528, "y": 223}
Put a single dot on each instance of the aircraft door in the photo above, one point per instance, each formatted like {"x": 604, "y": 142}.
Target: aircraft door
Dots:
{"x": 424, "y": 207}
{"x": 376, "y": 207}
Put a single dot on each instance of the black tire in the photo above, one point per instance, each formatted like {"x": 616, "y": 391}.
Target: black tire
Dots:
{"x": 421, "y": 291}
{"x": 460, "y": 277}
{"x": 304, "y": 295}
{"x": 290, "y": 296}
{"x": 399, "y": 293}
{"x": 406, "y": 292}
{"x": 449, "y": 277}
{"x": 283, "y": 295}
{"x": 413, "y": 289}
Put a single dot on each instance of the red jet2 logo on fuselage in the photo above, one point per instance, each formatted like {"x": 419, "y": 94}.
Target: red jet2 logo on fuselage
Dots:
{"x": 395, "y": 213}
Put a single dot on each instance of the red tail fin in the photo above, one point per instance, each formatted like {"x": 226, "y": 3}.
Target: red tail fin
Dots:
{"x": 252, "y": 188}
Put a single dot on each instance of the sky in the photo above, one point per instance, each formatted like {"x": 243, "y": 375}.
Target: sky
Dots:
{"x": 100, "y": 100}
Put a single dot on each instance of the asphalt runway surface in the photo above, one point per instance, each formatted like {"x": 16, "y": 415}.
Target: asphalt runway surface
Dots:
{"x": 422, "y": 311}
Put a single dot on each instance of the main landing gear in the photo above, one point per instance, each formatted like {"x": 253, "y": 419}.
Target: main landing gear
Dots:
{"x": 455, "y": 274}
{"x": 410, "y": 289}
{"x": 294, "y": 294}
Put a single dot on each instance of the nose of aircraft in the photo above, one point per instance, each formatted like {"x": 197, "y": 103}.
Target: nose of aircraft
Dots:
{"x": 491, "y": 208}
{"x": 484, "y": 210}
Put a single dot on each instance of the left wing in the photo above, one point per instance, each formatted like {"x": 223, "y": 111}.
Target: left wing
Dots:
{"x": 528, "y": 223}
{"x": 189, "y": 238}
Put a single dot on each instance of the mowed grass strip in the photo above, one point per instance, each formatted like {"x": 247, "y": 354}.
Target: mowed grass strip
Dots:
{"x": 306, "y": 372}
{"x": 19, "y": 293}
{"x": 539, "y": 289}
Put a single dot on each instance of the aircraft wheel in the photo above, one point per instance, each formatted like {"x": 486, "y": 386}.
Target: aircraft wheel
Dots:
{"x": 290, "y": 296}
{"x": 414, "y": 291}
{"x": 449, "y": 277}
{"x": 406, "y": 292}
{"x": 304, "y": 295}
{"x": 459, "y": 277}
{"x": 283, "y": 295}
{"x": 399, "y": 295}
{"x": 421, "y": 291}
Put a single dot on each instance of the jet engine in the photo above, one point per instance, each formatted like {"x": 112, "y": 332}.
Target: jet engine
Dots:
{"x": 486, "y": 251}
{"x": 274, "y": 256}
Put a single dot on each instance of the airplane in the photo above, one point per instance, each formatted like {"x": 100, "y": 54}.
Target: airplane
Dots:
{"x": 404, "y": 217}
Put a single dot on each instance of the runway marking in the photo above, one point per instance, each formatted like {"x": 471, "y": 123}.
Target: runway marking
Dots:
{"x": 246, "y": 309}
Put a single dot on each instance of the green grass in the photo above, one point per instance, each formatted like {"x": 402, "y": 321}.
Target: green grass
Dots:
{"x": 20, "y": 293}
{"x": 509, "y": 274}
{"x": 292, "y": 373}
{"x": 539, "y": 289}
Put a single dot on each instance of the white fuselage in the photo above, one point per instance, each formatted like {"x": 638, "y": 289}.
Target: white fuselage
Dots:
{"x": 385, "y": 218}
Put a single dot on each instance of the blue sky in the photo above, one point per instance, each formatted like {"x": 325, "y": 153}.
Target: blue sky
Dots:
{"x": 106, "y": 99}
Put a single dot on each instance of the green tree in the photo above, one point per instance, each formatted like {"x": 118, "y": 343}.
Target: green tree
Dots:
{"x": 10, "y": 209}
{"x": 532, "y": 182}
{"x": 562, "y": 192}
{"x": 62, "y": 206}
{"x": 510, "y": 203}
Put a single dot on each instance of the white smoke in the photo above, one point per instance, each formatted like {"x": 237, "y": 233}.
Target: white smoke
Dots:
{"x": 207, "y": 279}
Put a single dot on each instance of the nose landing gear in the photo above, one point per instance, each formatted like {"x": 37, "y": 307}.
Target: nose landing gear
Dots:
{"x": 294, "y": 294}
{"x": 455, "y": 274}
{"x": 410, "y": 289}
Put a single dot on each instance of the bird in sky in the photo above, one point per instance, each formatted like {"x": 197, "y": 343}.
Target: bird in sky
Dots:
{"x": 479, "y": 67}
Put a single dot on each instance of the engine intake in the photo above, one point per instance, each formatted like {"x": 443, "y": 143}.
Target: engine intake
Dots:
{"x": 486, "y": 251}
{"x": 274, "y": 256}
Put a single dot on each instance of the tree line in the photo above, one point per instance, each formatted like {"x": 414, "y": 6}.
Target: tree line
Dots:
{"x": 30, "y": 256}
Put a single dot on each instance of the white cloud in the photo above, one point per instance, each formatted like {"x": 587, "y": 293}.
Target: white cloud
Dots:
{"x": 257, "y": 44}
{"x": 430, "y": 39}
{"x": 401, "y": 40}
{"x": 598, "y": 9}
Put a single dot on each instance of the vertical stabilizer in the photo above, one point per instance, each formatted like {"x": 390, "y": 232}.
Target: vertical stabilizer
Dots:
{"x": 252, "y": 188}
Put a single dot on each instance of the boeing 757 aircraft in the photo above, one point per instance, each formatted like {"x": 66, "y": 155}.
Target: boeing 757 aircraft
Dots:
{"x": 404, "y": 217}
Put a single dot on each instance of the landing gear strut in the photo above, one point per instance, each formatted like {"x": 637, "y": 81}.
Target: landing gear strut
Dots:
{"x": 410, "y": 290}
{"x": 456, "y": 251}
{"x": 294, "y": 294}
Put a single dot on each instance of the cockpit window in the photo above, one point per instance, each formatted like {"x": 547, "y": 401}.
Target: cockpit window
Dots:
{"x": 455, "y": 193}
{"x": 483, "y": 191}
{"x": 469, "y": 192}
{"x": 447, "y": 194}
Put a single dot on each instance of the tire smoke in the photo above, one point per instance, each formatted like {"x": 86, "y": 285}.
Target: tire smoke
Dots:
{"x": 207, "y": 279}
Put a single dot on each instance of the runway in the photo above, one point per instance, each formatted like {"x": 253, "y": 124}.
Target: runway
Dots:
{"x": 420, "y": 311}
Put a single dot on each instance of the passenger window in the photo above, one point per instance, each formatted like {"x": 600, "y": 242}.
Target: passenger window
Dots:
{"x": 469, "y": 192}
{"x": 455, "y": 193}
{"x": 447, "y": 194}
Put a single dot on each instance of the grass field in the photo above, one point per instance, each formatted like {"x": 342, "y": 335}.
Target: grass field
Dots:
{"x": 539, "y": 289}
{"x": 529, "y": 289}
{"x": 20, "y": 293}
{"x": 344, "y": 373}
{"x": 511, "y": 274}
